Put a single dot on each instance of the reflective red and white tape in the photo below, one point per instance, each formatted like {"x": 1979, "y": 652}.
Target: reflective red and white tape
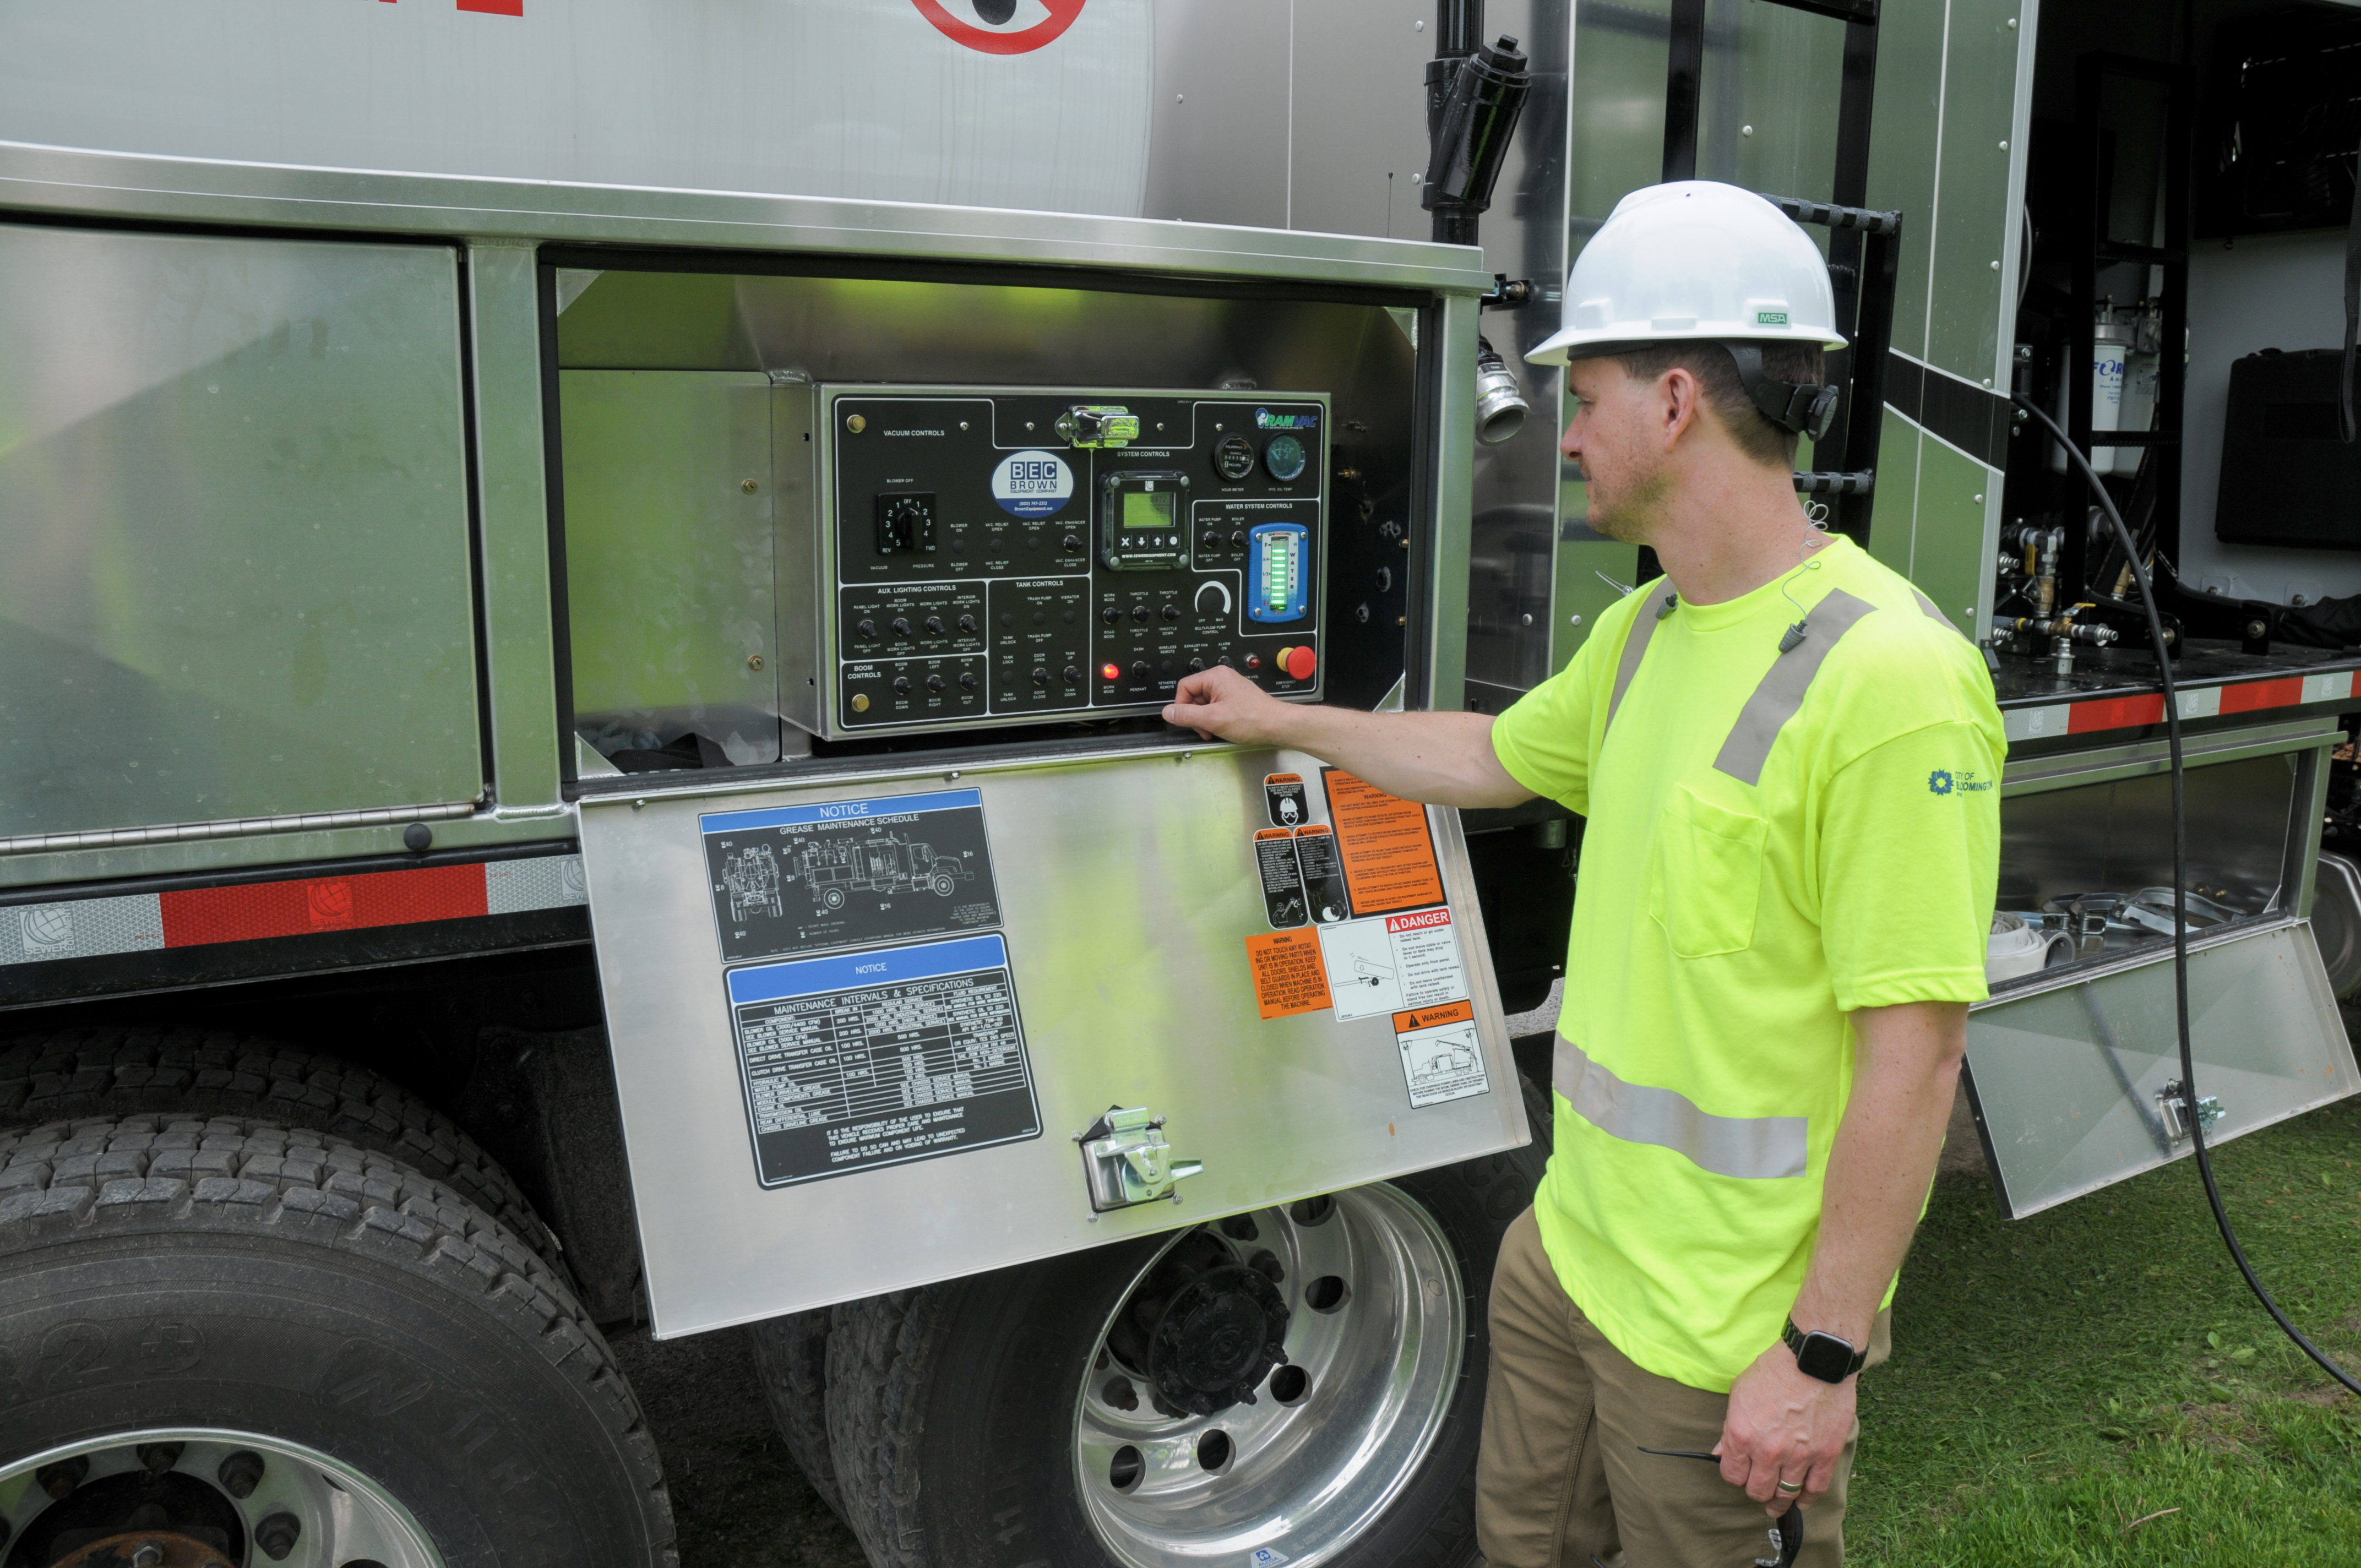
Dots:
{"x": 194, "y": 917}
{"x": 2196, "y": 702}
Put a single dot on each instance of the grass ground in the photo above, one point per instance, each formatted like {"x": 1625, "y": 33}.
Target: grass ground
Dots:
{"x": 2094, "y": 1386}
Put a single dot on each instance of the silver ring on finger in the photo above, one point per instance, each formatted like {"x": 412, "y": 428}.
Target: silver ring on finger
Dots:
{"x": 1789, "y": 1489}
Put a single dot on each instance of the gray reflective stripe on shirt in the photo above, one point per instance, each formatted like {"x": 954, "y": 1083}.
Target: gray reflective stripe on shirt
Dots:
{"x": 1635, "y": 648}
{"x": 1782, "y": 692}
{"x": 1935, "y": 615}
{"x": 1747, "y": 1147}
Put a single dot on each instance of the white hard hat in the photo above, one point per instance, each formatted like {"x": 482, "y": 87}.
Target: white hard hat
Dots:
{"x": 1694, "y": 260}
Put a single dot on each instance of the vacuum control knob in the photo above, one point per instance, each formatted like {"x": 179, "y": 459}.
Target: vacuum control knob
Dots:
{"x": 1072, "y": 545}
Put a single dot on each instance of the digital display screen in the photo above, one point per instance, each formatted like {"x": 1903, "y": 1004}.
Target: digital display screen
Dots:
{"x": 1148, "y": 509}
{"x": 1279, "y": 570}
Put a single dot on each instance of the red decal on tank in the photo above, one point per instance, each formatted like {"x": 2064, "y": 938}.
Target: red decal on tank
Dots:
{"x": 196, "y": 917}
{"x": 984, "y": 40}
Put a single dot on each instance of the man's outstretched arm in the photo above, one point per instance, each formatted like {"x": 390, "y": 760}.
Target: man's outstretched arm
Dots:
{"x": 1445, "y": 759}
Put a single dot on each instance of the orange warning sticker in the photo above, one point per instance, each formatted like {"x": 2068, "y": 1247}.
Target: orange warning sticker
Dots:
{"x": 1388, "y": 853}
{"x": 1288, "y": 974}
{"x": 1428, "y": 1017}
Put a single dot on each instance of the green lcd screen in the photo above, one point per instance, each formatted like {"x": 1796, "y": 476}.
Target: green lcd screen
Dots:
{"x": 1149, "y": 509}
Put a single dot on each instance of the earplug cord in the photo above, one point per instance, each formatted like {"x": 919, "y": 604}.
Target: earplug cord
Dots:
{"x": 2180, "y": 903}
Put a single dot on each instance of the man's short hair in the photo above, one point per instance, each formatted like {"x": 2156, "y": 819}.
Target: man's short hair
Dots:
{"x": 1717, "y": 372}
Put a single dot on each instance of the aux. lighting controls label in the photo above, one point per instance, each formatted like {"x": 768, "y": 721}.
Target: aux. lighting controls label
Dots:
{"x": 866, "y": 1059}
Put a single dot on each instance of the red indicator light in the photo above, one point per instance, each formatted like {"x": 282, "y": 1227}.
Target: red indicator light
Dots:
{"x": 1254, "y": 661}
{"x": 1110, "y": 672}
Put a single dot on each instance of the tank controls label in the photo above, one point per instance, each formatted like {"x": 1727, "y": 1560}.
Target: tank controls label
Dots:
{"x": 1324, "y": 878}
{"x": 1283, "y": 798}
{"x": 1442, "y": 1060}
{"x": 1389, "y": 854}
{"x": 872, "y": 1058}
{"x": 1394, "y": 963}
{"x": 1282, "y": 880}
{"x": 839, "y": 873}
{"x": 1288, "y": 977}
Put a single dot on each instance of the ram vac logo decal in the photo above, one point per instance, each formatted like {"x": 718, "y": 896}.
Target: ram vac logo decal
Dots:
{"x": 1265, "y": 419}
{"x": 1001, "y": 27}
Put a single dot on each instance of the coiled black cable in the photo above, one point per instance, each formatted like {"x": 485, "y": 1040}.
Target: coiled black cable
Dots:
{"x": 2180, "y": 903}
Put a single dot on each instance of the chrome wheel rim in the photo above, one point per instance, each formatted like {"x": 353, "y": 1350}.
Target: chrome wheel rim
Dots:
{"x": 1376, "y": 1329}
{"x": 178, "y": 1486}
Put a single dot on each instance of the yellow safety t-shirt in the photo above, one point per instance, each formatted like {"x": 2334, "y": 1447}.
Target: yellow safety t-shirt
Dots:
{"x": 1773, "y": 840}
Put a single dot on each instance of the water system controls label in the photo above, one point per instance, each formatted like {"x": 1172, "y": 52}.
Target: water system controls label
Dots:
{"x": 1282, "y": 879}
{"x": 1323, "y": 877}
{"x": 867, "y": 1059}
{"x": 1283, "y": 799}
{"x": 1442, "y": 1058}
{"x": 1394, "y": 963}
{"x": 802, "y": 879}
{"x": 1289, "y": 976}
{"x": 1388, "y": 853}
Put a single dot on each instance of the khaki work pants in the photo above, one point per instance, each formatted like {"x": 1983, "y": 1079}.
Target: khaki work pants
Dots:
{"x": 1561, "y": 1480}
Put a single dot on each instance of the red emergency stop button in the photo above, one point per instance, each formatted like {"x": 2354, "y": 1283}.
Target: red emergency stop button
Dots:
{"x": 1297, "y": 662}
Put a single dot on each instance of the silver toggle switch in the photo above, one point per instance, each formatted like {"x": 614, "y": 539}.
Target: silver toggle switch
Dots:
{"x": 1127, "y": 1161}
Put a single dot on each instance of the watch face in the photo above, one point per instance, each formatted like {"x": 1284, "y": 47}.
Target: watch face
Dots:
{"x": 1826, "y": 1357}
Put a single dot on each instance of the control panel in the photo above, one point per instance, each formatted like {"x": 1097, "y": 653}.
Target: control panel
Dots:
{"x": 1020, "y": 556}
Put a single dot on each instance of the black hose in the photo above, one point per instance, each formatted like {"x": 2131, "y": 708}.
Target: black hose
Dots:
{"x": 2180, "y": 906}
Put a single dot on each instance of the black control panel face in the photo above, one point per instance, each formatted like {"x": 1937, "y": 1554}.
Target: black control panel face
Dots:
{"x": 1015, "y": 557}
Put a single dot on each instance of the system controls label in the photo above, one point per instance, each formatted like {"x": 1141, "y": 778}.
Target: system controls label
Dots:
{"x": 1289, "y": 976}
{"x": 1282, "y": 879}
{"x": 872, "y": 1058}
{"x": 1032, "y": 484}
{"x": 1283, "y": 798}
{"x": 1392, "y": 963}
{"x": 799, "y": 879}
{"x": 1442, "y": 1058}
{"x": 1323, "y": 879}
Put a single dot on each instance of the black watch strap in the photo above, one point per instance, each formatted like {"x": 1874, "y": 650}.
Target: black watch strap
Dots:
{"x": 1824, "y": 1357}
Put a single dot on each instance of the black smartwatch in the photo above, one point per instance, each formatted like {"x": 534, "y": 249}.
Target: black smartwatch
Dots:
{"x": 1824, "y": 1357}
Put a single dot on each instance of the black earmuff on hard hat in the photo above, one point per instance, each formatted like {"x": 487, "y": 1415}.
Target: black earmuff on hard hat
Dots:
{"x": 1804, "y": 407}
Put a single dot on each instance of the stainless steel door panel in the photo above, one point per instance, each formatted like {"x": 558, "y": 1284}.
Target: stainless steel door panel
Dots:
{"x": 671, "y": 603}
{"x": 234, "y": 573}
{"x": 1128, "y": 888}
{"x": 2064, "y": 1081}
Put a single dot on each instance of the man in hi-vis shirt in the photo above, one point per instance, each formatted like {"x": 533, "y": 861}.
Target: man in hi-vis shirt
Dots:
{"x": 1787, "y": 760}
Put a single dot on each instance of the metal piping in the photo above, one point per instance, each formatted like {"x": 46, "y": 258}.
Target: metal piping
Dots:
{"x": 238, "y": 827}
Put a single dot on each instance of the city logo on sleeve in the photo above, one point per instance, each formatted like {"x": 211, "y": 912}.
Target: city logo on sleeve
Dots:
{"x": 1966, "y": 781}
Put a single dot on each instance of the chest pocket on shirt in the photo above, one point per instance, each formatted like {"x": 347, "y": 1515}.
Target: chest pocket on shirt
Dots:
{"x": 1707, "y": 879}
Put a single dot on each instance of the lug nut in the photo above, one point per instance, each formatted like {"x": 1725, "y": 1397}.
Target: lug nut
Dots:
{"x": 147, "y": 1554}
{"x": 1121, "y": 1394}
{"x": 156, "y": 1458}
{"x": 277, "y": 1535}
{"x": 59, "y": 1480}
{"x": 240, "y": 1473}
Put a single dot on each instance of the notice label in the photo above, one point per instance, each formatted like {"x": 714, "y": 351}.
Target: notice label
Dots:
{"x": 1324, "y": 878}
{"x": 1288, "y": 974}
{"x": 873, "y": 1059}
{"x": 1282, "y": 880}
{"x": 1441, "y": 1057}
{"x": 1394, "y": 963}
{"x": 1283, "y": 798}
{"x": 1388, "y": 853}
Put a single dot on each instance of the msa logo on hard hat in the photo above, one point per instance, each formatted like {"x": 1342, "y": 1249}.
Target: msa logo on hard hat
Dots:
{"x": 1001, "y": 27}
{"x": 1769, "y": 318}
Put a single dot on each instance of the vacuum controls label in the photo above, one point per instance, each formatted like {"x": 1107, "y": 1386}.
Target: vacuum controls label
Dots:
{"x": 866, "y": 1059}
{"x": 800, "y": 879}
{"x": 1032, "y": 484}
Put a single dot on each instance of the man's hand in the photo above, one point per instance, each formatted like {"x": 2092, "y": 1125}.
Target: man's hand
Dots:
{"x": 1220, "y": 704}
{"x": 1783, "y": 1426}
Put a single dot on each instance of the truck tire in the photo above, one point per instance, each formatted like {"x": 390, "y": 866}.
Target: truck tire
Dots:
{"x": 79, "y": 1074}
{"x": 222, "y": 1332}
{"x": 791, "y": 1353}
{"x": 1005, "y": 1420}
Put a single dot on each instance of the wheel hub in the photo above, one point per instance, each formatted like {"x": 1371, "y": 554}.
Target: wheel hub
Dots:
{"x": 1218, "y": 1340}
{"x": 144, "y": 1549}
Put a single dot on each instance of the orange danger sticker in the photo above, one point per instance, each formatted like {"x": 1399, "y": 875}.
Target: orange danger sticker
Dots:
{"x": 1287, "y": 973}
{"x": 1428, "y": 1017}
{"x": 1388, "y": 853}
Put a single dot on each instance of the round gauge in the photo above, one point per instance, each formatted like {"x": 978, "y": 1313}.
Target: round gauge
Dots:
{"x": 1234, "y": 457}
{"x": 1285, "y": 457}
